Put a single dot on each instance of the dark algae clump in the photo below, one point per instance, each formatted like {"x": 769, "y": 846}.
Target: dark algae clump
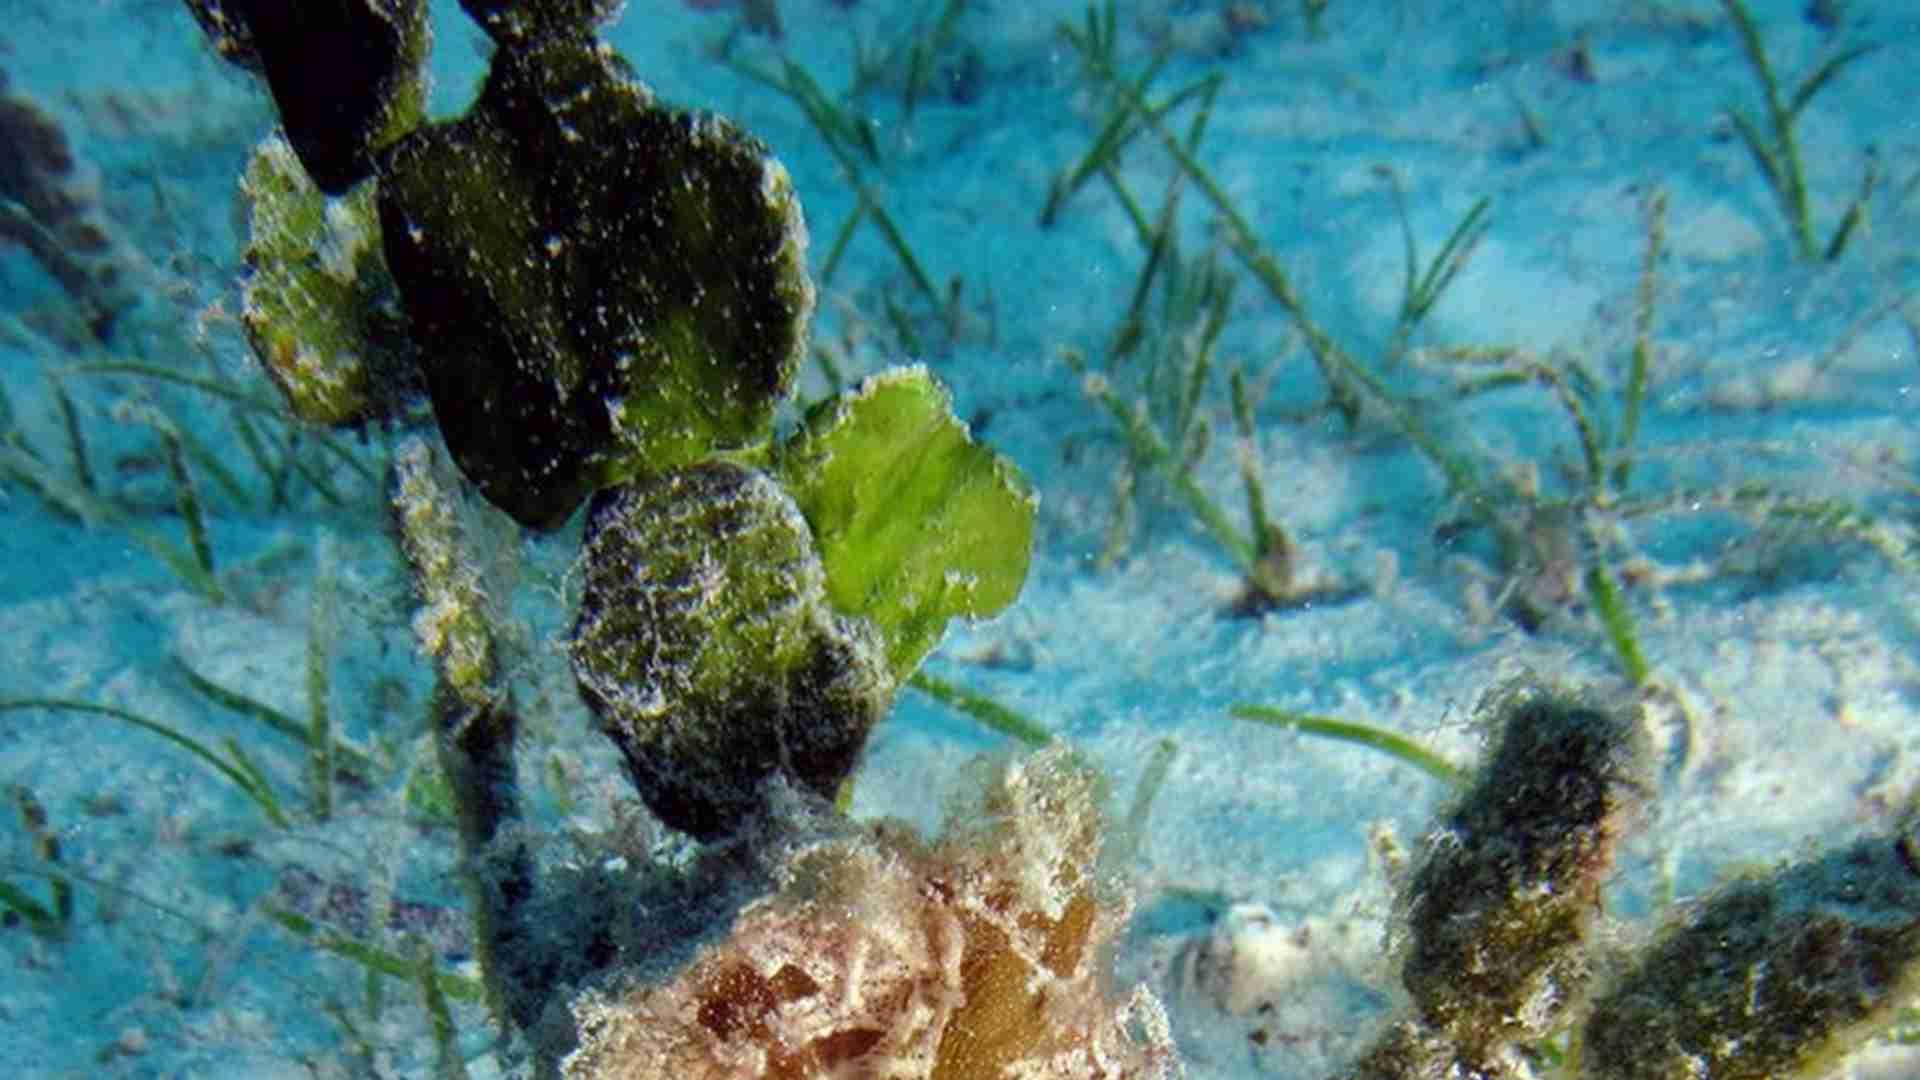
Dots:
{"x": 606, "y": 299}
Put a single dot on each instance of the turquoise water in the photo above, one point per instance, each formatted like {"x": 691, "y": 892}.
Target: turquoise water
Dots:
{"x": 1425, "y": 465}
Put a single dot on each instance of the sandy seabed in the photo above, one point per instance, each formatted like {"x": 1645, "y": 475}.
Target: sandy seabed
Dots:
{"x": 1764, "y": 541}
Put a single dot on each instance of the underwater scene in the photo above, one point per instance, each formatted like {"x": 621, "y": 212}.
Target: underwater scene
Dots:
{"x": 957, "y": 539}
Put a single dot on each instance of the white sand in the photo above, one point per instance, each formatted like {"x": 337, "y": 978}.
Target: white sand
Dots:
{"x": 1793, "y": 659}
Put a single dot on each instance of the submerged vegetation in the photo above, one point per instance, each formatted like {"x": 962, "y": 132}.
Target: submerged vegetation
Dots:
{"x": 1775, "y": 143}
{"x": 574, "y": 318}
{"x": 1552, "y": 550}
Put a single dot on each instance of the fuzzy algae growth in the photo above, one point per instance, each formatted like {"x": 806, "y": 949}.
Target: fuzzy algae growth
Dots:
{"x": 347, "y": 78}
{"x": 611, "y": 287}
{"x": 318, "y": 304}
{"x": 708, "y": 649}
{"x": 606, "y": 299}
{"x": 1501, "y": 909}
{"x": 975, "y": 957}
{"x": 1773, "y": 976}
{"x": 736, "y": 624}
{"x": 1499, "y": 914}
{"x": 606, "y": 295}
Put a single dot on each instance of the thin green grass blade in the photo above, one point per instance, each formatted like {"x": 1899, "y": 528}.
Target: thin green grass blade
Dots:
{"x": 227, "y": 393}
{"x": 1200, "y": 367}
{"x": 1756, "y": 54}
{"x": 434, "y": 999}
{"x": 1571, "y": 402}
{"x": 98, "y": 511}
{"x": 350, "y": 762}
{"x": 1341, "y": 370}
{"x": 290, "y": 449}
{"x": 186, "y": 492}
{"x": 838, "y": 248}
{"x": 1256, "y": 491}
{"x": 372, "y": 957}
{"x": 992, "y": 714}
{"x": 1849, "y": 222}
{"x": 209, "y": 463}
{"x": 1825, "y": 74}
{"x": 1451, "y": 259}
{"x": 320, "y": 631}
{"x": 242, "y": 778}
{"x": 1133, "y": 326}
{"x": 1116, "y": 133}
{"x": 46, "y": 847}
{"x": 76, "y": 438}
{"x": 1855, "y": 216}
{"x": 920, "y": 64}
{"x": 1634, "y": 394}
{"x": 256, "y": 450}
{"x": 898, "y": 242}
{"x": 1618, "y": 623}
{"x": 1153, "y": 776}
{"x": 1762, "y": 152}
{"x": 1410, "y": 245}
{"x": 1393, "y": 745}
{"x": 1150, "y": 450}
{"x": 67, "y": 876}
{"x": 244, "y": 762}
{"x": 204, "y": 385}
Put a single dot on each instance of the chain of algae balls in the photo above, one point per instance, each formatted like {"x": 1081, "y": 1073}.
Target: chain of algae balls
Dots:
{"x": 604, "y": 299}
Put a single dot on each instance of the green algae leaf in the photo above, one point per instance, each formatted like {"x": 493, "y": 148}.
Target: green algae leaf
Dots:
{"x": 916, "y": 523}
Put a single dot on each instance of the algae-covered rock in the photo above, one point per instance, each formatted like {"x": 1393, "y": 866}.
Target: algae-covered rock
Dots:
{"x": 1501, "y": 909}
{"x": 348, "y": 76}
{"x": 603, "y": 287}
{"x": 318, "y": 305}
{"x": 708, "y": 650}
{"x": 916, "y": 522}
{"x": 1500, "y": 914}
{"x": 1772, "y": 977}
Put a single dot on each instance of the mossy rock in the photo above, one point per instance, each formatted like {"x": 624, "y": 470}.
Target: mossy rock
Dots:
{"x": 707, "y": 648}
{"x": 1775, "y": 976}
{"x": 1502, "y": 908}
{"x": 603, "y": 287}
{"x": 347, "y": 76}
{"x": 318, "y": 304}
{"x": 916, "y": 522}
